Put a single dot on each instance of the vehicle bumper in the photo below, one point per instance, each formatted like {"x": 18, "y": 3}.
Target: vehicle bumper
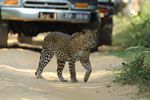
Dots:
{"x": 32, "y": 14}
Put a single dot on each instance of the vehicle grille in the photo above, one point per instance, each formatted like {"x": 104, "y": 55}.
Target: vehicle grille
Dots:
{"x": 46, "y": 4}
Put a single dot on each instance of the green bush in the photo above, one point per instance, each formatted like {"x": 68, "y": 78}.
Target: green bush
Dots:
{"x": 135, "y": 73}
{"x": 140, "y": 34}
{"x": 137, "y": 33}
{"x": 134, "y": 34}
{"x": 130, "y": 53}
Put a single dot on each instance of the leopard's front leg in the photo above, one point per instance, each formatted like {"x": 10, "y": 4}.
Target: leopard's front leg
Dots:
{"x": 86, "y": 64}
{"x": 72, "y": 71}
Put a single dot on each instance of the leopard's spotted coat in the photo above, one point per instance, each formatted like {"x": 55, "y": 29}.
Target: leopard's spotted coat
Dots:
{"x": 67, "y": 48}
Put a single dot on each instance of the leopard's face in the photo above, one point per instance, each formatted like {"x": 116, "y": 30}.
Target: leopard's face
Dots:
{"x": 89, "y": 38}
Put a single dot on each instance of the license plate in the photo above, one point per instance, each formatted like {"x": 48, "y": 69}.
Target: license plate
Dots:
{"x": 47, "y": 16}
{"x": 76, "y": 16}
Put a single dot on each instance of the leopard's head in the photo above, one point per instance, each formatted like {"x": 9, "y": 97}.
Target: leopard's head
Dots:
{"x": 87, "y": 38}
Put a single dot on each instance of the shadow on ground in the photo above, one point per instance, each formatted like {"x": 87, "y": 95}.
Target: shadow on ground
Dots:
{"x": 16, "y": 46}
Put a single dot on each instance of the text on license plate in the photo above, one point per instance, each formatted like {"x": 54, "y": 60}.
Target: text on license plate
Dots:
{"x": 76, "y": 16}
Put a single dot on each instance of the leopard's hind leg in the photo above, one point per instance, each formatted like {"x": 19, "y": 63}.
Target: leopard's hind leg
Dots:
{"x": 60, "y": 67}
{"x": 45, "y": 58}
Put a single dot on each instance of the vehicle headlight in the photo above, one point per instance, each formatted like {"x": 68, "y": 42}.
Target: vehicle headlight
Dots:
{"x": 11, "y": 2}
{"x": 80, "y": 4}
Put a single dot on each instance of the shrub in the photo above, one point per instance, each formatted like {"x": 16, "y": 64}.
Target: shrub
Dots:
{"x": 137, "y": 33}
{"x": 135, "y": 73}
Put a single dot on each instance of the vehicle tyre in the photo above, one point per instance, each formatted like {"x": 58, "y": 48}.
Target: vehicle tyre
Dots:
{"x": 95, "y": 24}
{"x": 24, "y": 39}
{"x": 3, "y": 34}
{"x": 106, "y": 29}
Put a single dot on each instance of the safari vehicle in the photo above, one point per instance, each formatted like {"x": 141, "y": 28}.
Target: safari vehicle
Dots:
{"x": 30, "y": 17}
{"x": 105, "y": 8}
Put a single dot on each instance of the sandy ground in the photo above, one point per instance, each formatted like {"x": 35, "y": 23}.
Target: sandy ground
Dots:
{"x": 17, "y": 80}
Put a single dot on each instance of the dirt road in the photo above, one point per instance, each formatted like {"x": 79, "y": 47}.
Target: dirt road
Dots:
{"x": 17, "y": 80}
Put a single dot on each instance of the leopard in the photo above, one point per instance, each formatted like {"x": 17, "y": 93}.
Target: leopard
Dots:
{"x": 67, "y": 48}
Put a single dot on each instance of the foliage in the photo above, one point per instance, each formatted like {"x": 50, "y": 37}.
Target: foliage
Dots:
{"x": 137, "y": 33}
{"x": 129, "y": 54}
{"x": 135, "y": 73}
{"x": 134, "y": 34}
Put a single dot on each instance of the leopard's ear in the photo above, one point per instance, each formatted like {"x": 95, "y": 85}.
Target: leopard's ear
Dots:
{"x": 84, "y": 31}
{"x": 75, "y": 35}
